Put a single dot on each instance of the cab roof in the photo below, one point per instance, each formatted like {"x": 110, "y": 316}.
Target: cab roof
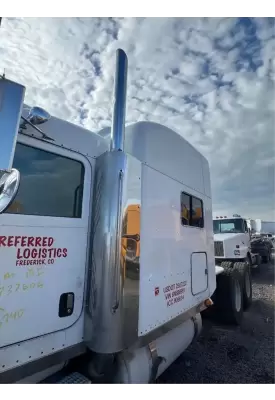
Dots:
{"x": 153, "y": 144}
{"x": 234, "y": 216}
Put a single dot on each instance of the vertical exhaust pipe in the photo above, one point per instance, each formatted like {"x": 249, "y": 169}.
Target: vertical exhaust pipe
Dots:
{"x": 107, "y": 330}
{"x": 119, "y": 106}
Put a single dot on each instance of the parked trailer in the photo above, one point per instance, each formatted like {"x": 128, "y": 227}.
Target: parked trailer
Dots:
{"x": 268, "y": 227}
{"x": 251, "y": 224}
{"x": 76, "y": 297}
{"x": 263, "y": 227}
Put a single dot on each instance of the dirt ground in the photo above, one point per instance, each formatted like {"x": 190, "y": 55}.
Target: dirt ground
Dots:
{"x": 234, "y": 355}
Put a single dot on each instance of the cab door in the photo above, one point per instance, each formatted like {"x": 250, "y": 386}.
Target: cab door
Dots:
{"x": 43, "y": 242}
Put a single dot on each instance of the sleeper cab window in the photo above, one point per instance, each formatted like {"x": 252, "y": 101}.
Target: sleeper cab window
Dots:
{"x": 191, "y": 211}
{"x": 51, "y": 185}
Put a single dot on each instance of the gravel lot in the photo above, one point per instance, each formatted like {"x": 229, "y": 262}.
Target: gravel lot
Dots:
{"x": 234, "y": 355}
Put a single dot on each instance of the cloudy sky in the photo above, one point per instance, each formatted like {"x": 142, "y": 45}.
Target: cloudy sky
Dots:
{"x": 212, "y": 80}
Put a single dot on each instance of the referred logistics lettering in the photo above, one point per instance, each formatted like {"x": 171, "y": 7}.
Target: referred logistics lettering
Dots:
{"x": 32, "y": 250}
{"x": 26, "y": 241}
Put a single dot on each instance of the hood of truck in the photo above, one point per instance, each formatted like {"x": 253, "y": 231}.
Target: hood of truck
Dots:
{"x": 226, "y": 236}
{"x": 226, "y": 245}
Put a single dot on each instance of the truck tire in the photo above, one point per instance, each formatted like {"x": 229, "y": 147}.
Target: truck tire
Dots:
{"x": 228, "y": 296}
{"x": 227, "y": 264}
{"x": 258, "y": 260}
{"x": 244, "y": 269}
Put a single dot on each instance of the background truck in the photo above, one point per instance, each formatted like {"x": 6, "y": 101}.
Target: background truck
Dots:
{"x": 262, "y": 246}
{"x": 79, "y": 301}
{"x": 233, "y": 251}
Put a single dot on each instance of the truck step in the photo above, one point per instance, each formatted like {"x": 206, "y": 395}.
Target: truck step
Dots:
{"x": 74, "y": 377}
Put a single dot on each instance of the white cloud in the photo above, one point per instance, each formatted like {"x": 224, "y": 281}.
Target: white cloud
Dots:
{"x": 210, "y": 79}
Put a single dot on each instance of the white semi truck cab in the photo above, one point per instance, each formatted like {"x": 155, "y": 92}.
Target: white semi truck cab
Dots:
{"x": 106, "y": 246}
{"x": 231, "y": 238}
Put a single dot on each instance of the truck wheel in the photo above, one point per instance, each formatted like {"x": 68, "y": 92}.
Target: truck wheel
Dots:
{"x": 244, "y": 269}
{"x": 229, "y": 299}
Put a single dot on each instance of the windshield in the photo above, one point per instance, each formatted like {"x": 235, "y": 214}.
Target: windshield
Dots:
{"x": 228, "y": 226}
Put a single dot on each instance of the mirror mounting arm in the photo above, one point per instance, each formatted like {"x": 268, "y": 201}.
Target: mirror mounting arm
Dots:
{"x": 26, "y": 121}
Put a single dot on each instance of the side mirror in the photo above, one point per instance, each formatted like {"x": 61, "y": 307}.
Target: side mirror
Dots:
{"x": 38, "y": 116}
{"x": 11, "y": 104}
{"x": 9, "y": 184}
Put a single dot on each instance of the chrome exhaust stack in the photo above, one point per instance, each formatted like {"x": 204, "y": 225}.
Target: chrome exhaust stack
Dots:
{"x": 111, "y": 318}
{"x": 119, "y": 105}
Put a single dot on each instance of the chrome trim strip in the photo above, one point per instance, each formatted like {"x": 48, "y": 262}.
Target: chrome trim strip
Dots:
{"x": 115, "y": 305}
